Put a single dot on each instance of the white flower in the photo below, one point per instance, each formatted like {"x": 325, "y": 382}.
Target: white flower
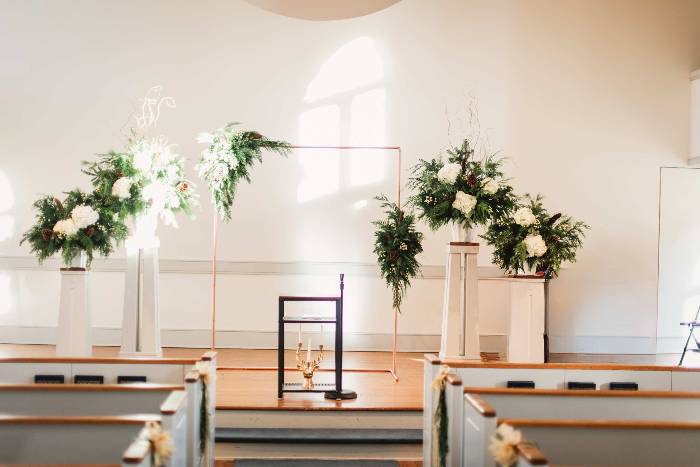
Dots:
{"x": 121, "y": 188}
{"x": 219, "y": 172}
{"x": 491, "y": 186}
{"x": 205, "y": 138}
{"x": 156, "y": 192}
{"x": 172, "y": 200}
{"x": 535, "y": 246}
{"x": 504, "y": 444}
{"x": 83, "y": 216}
{"x": 143, "y": 157}
{"x": 449, "y": 172}
{"x": 65, "y": 228}
{"x": 464, "y": 202}
{"x": 524, "y": 217}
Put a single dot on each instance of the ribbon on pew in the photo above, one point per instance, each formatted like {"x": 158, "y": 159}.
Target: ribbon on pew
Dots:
{"x": 504, "y": 445}
{"x": 203, "y": 369}
{"x": 440, "y": 421}
{"x": 161, "y": 444}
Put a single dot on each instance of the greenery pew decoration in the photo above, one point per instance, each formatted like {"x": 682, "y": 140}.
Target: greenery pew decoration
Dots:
{"x": 462, "y": 189}
{"x": 146, "y": 175}
{"x": 396, "y": 244}
{"x": 229, "y": 157}
{"x": 82, "y": 222}
{"x": 532, "y": 237}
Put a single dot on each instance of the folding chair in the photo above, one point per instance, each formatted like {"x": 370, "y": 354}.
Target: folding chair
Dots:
{"x": 691, "y": 328}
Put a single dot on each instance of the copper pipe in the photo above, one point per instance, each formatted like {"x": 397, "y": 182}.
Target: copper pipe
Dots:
{"x": 271, "y": 368}
{"x": 213, "y": 286}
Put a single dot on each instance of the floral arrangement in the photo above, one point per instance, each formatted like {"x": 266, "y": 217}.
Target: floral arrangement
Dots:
{"x": 533, "y": 237}
{"x": 396, "y": 244}
{"x": 461, "y": 189}
{"x": 504, "y": 445}
{"x": 148, "y": 175}
{"x": 440, "y": 420}
{"x": 79, "y": 223}
{"x": 228, "y": 159}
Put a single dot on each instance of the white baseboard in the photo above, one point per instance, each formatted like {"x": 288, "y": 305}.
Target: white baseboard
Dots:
{"x": 200, "y": 338}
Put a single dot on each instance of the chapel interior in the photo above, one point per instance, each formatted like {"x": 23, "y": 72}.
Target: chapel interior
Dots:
{"x": 382, "y": 233}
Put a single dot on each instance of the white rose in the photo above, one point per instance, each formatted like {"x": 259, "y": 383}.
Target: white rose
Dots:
{"x": 65, "y": 228}
{"x": 524, "y": 217}
{"x": 464, "y": 202}
{"x": 535, "y": 246}
{"x": 449, "y": 172}
{"x": 491, "y": 186}
{"x": 83, "y": 216}
{"x": 122, "y": 188}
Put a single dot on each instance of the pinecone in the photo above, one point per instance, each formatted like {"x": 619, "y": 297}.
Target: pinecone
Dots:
{"x": 472, "y": 180}
{"x": 252, "y": 135}
{"x": 46, "y": 234}
{"x": 59, "y": 204}
{"x": 90, "y": 231}
{"x": 554, "y": 218}
{"x": 393, "y": 255}
{"x": 120, "y": 174}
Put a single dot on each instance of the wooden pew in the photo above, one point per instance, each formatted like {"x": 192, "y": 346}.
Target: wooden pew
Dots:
{"x": 481, "y": 405}
{"x": 72, "y": 440}
{"x": 613, "y": 442}
{"x": 550, "y": 376}
{"x": 173, "y": 371}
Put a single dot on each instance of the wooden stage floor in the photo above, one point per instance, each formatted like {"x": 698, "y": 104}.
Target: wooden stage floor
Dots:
{"x": 257, "y": 389}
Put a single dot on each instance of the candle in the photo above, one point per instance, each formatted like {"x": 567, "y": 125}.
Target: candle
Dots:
{"x": 308, "y": 351}
{"x": 299, "y": 339}
{"x": 322, "y": 334}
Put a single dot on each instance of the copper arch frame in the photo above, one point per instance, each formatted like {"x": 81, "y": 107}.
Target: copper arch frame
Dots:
{"x": 393, "y": 370}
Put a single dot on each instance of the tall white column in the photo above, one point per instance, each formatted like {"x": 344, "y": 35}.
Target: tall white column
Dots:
{"x": 141, "y": 322}
{"x": 74, "y": 332}
{"x": 460, "y": 312}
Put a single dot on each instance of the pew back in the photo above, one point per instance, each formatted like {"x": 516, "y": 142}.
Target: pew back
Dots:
{"x": 68, "y": 440}
{"x": 571, "y": 442}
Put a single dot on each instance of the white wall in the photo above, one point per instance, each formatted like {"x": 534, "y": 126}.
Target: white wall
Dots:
{"x": 587, "y": 99}
{"x": 679, "y": 255}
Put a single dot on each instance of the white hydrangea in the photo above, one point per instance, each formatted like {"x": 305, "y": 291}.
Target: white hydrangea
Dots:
{"x": 491, "y": 186}
{"x": 122, "y": 188}
{"x": 535, "y": 246}
{"x": 449, "y": 172}
{"x": 84, "y": 216}
{"x": 464, "y": 202}
{"x": 218, "y": 172}
{"x": 65, "y": 228}
{"x": 524, "y": 217}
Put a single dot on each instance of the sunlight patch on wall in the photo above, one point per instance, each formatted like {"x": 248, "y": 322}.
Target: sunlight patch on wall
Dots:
{"x": 354, "y": 65}
{"x": 7, "y": 202}
{"x": 320, "y": 168}
{"x": 367, "y": 126}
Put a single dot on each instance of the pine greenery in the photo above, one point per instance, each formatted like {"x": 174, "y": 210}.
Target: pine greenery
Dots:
{"x": 396, "y": 244}
{"x": 100, "y": 237}
{"x": 434, "y": 198}
{"x": 229, "y": 159}
{"x": 562, "y": 235}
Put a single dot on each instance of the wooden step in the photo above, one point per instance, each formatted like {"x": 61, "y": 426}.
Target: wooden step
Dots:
{"x": 319, "y": 436}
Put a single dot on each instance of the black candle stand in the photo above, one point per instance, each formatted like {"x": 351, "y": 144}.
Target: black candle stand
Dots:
{"x": 330, "y": 391}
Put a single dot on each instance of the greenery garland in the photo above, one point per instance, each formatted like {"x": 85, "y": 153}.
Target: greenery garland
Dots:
{"x": 461, "y": 190}
{"x": 533, "y": 237}
{"x": 146, "y": 175}
{"x": 82, "y": 222}
{"x": 228, "y": 159}
{"x": 396, "y": 244}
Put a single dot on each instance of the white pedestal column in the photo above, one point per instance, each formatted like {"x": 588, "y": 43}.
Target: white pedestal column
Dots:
{"x": 526, "y": 328}
{"x": 74, "y": 332}
{"x": 460, "y": 312}
{"x": 141, "y": 324}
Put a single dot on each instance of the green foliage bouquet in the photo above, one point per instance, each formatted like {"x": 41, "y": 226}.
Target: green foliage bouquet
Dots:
{"x": 396, "y": 244}
{"x": 535, "y": 238}
{"x": 148, "y": 175}
{"x": 80, "y": 223}
{"x": 229, "y": 158}
{"x": 461, "y": 190}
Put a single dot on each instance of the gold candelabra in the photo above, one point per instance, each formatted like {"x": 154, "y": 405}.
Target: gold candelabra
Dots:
{"x": 308, "y": 366}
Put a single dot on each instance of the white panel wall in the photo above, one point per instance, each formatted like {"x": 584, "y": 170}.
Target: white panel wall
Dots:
{"x": 585, "y": 123}
{"x": 695, "y": 114}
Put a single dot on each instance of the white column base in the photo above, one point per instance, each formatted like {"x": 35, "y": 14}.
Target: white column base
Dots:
{"x": 74, "y": 333}
{"x": 141, "y": 324}
{"x": 460, "y": 312}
